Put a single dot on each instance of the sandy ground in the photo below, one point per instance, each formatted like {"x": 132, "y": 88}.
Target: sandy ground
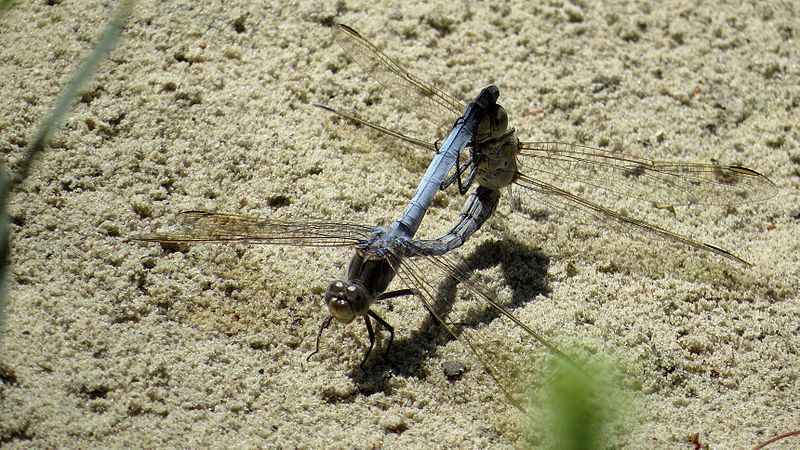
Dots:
{"x": 110, "y": 343}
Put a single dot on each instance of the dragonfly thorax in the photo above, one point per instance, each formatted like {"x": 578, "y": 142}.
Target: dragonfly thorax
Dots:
{"x": 497, "y": 166}
{"x": 493, "y": 125}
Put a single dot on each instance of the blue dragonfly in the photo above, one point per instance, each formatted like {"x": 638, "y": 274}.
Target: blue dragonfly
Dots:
{"x": 553, "y": 173}
{"x": 382, "y": 253}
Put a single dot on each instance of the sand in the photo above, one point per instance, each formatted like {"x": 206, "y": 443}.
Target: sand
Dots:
{"x": 204, "y": 105}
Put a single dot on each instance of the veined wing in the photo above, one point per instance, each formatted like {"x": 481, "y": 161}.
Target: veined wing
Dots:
{"x": 570, "y": 203}
{"x": 660, "y": 182}
{"x": 203, "y": 226}
{"x": 433, "y": 103}
{"x": 507, "y": 361}
{"x": 395, "y": 134}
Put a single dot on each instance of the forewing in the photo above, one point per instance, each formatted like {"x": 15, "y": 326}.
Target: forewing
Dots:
{"x": 433, "y": 104}
{"x": 203, "y": 226}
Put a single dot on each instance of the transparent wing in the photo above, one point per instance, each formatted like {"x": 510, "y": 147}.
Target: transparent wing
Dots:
{"x": 395, "y": 134}
{"x": 571, "y": 204}
{"x": 440, "y": 108}
{"x": 507, "y": 361}
{"x": 663, "y": 183}
{"x": 202, "y": 226}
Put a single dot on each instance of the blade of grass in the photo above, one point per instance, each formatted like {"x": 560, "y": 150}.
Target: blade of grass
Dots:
{"x": 69, "y": 94}
{"x": 63, "y": 103}
{"x": 5, "y": 4}
{"x": 4, "y": 243}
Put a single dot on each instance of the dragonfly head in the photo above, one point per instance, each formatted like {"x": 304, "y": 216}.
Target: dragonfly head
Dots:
{"x": 494, "y": 124}
{"x": 346, "y": 301}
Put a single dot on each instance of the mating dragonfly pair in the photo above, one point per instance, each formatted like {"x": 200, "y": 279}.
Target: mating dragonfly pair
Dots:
{"x": 549, "y": 172}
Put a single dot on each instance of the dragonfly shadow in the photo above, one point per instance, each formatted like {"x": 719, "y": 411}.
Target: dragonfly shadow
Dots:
{"x": 524, "y": 271}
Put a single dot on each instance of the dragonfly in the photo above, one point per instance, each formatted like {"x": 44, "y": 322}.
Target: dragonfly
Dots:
{"x": 381, "y": 254}
{"x": 553, "y": 173}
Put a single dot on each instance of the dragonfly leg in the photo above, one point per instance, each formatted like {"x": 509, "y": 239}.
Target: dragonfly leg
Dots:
{"x": 463, "y": 189}
{"x": 387, "y": 327}
{"x": 382, "y": 323}
{"x": 371, "y": 334}
{"x": 397, "y": 293}
{"x": 452, "y": 178}
{"x": 460, "y": 170}
{"x": 325, "y": 324}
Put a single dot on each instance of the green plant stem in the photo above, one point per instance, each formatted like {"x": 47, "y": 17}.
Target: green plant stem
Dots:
{"x": 63, "y": 103}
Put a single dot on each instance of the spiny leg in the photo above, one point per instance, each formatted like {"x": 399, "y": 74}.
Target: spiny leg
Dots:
{"x": 402, "y": 293}
{"x": 381, "y": 322}
{"x": 462, "y": 188}
{"x": 388, "y": 328}
{"x": 397, "y": 293}
{"x": 385, "y": 324}
{"x": 371, "y": 334}
{"x": 325, "y": 324}
{"x": 460, "y": 170}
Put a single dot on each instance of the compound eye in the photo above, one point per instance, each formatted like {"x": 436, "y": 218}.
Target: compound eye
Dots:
{"x": 499, "y": 122}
